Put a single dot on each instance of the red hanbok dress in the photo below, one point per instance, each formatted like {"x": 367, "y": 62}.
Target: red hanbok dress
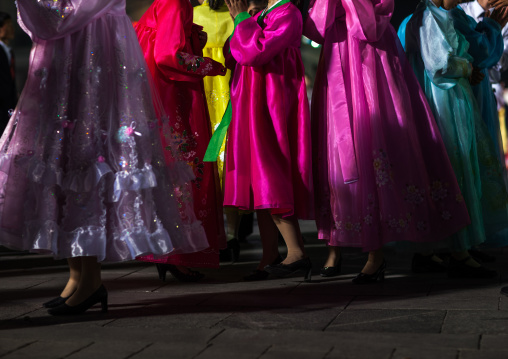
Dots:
{"x": 171, "y": 47}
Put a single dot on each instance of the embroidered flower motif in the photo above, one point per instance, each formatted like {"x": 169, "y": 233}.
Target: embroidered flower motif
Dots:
{"x": 446, "y": 215}
{"x": 459, "y": 198}
{"x": 382, "y": 168}
{"x": 349, "y": 226}
{"x": 357, "y": 227}
{"x": 368, "y": 219}
{"x": 414, "y": 195}
{"x": 421, "y": 226}
{"x": 438, "y": 191}
{"x": 191, "y": 62}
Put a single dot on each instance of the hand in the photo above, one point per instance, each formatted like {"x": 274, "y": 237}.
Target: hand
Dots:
{"x": 499, "y": 15}
{"x": 497, "y": 3}
{"x": 477, "y": 76}
{"x": 203, "y": 38}
{"x": 238, "y": 6}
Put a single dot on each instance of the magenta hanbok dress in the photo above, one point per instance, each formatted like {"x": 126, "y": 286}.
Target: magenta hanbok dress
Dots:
{"x": 268, "y": 151}
{"x": 82, "y": 169}
{"x": 381, "y": 171}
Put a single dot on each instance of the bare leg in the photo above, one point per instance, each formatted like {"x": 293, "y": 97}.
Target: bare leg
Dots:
{"x": 333, "y": 256}
{"x": 233, "y": 218}
{"x": 269, "y": 238}
{"x": 89, "y": 281}
{"x": 375, "y": 260}
{"x": 290, "y": 230}
{"x": 74, "y": 276}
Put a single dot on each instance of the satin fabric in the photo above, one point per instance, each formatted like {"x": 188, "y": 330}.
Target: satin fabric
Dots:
{"x": 381, "y": 173}
{"x": 169, "y": 40}
{"x": 82, "y": 170}
{"x": 268, "y": 161}
{"x": 443, "y": 63}
{"x": 219, "y": 26}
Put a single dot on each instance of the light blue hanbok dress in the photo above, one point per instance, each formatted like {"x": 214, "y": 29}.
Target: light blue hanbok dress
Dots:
{"x": 441, "y": 58}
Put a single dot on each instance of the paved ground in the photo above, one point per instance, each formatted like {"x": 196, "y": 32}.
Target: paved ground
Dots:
{"x": 407, "y": 316}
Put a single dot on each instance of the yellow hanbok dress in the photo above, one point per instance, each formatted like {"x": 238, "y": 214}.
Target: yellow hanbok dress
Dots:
{"x": 219, "y": 26}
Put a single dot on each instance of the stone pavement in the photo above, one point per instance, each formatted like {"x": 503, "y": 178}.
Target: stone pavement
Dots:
{"x": 407, "y": 316}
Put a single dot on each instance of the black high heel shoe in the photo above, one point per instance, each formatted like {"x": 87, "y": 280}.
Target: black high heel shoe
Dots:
{"x": 283, "y": 270}
{"x": 332, "y": 271}
{"x": 192, "y": 276}
{"x": 55, "y": 302}
{"x": 231, "y": 253}
{"x": 459, "y": 269}
{"x": 259, "y": 274}
{"x": 99, "y": 296}
{"x": 378, "y": 275}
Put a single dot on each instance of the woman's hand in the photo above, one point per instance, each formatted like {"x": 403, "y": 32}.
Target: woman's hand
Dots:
{"x": 238, "y": 6}
{"x": 499, "y": 15}
{"x": 497, "y": 3}
{"x": 477, "y": 76}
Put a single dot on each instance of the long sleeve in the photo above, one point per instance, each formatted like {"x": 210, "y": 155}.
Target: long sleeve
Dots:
{"x": 253, "y": 46}
{"x": 322, "y": 15}
{"x": 174, "y": 52}
{"x": 50, "y": 20}
{"x": 485, "y": 40}
{"x": 439, "y": 44}
{"x": 367, "y": 20}
{"x": 230, "y": 60}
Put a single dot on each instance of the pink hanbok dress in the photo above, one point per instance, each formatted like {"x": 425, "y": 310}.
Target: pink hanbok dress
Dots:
{"x": 82, "y": 169}
{"x": 268, "y": 151}
{"x": 170, "y": 43}
{"x": 381, "y": 170}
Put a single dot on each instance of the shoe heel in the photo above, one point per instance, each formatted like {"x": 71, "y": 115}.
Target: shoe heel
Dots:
{"x": 308, "y": 275}
{"x": 161, "y": 269}
{"x": 382, "y": 276}
{"x": 104, "y": 304}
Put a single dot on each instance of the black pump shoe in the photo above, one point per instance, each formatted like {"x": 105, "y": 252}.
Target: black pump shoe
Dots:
{"x": 259, "y": 274}
{"x": 283, "y": 270}
{"x": 459, "y": 269}
{"x": 231, "y": 253}
{"x": 55, "y": 302}
{"x": 332, "y": 271}
{"x": 378, "y": 275}
{"x": 99, "y": 296}
{"x": 192, "y": 276}
{"x": 425, "y": 264}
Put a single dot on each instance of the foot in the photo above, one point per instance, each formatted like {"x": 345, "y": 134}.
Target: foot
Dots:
{"x": 294, "y": 257}
{"x": 372, "y": 266}
{"x": 83, "y": 292}
{"x": 269, "y": 259}
{"x": 427, "y": 264}
{"x": 70, "y": 288}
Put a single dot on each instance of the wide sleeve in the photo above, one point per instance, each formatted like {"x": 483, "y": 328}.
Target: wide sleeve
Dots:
{"x": 485, "y": 39}
{"x": 438, "y": 48}
{"x": 54, "y": 19}
{"x": 253, "y": 46}
{"x": 321, "y": 17}
{"x": 367, "y": 20}
{"x": 230, "y": 60}
{"x": 173, "y": 49}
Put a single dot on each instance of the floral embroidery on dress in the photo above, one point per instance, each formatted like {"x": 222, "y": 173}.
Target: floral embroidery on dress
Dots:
{"x": 400, "y": 224}
{"x": 193, "y": 63}
{"x": 438, "y": 192}
{"x": 382, "y": 167}
{"x": 414, "y": 195}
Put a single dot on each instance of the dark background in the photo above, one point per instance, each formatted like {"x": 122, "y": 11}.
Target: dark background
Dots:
{"x": 136, "y": 8}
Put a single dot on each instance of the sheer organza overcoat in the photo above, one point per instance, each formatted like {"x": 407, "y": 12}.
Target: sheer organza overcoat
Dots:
{"x": 381, "y": 172}
{"x": 82, "y": 170}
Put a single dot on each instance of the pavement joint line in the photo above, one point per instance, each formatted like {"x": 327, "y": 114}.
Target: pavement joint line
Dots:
{"x": 18, "y": 348}
{"x": 138, "y": 351}
{"x": 480, "y": 338}
{"x": 393, "y": 353}
{"x": 35, "y": 285}
{"x": 78, "y": 350}
{"x": 215, "y": 336}
{"x": 333, "y": 320}
{"x": 443, "y": 322}
{"x": 208, "y": 345}
{"x": 220, "y": 321}
{"x": 24, "y": 314}
{"x": 265, "y": 351}
{"x": 108, "y": 323}
{"x": 499, "y": 303}
{"x": 329, "y": 351}
{"x": 391, "y": 318}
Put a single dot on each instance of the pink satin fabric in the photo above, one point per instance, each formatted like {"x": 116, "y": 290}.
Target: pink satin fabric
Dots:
{"x": 171, "y": 48}
{"x": 381, "y": 172}
{"x": 268, "y": 163}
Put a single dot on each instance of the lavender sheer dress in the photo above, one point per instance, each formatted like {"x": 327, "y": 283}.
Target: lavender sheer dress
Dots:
{"x": 82, "y": 169}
